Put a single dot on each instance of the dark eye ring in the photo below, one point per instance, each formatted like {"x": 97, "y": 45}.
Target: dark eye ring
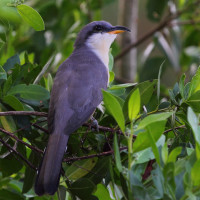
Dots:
{"x": 98, "y": 28}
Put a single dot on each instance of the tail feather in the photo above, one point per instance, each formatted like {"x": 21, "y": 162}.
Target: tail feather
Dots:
{"x": 48, "y": 177}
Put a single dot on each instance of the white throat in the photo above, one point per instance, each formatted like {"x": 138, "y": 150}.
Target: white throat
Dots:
{"x": 100, "y": 44}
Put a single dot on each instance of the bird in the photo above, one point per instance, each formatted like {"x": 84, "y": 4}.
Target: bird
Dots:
{"x": 75, "y": 95}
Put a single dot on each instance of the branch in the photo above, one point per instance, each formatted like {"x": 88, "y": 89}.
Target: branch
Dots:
{"x": 144, "y": 38}
{"x": 105, "y": 129}
{"x": 41, "y": 128}
{"x": 186, "y": 22}
{"x": 175, "y": 128}
{"x": 42, "y": 114}
{"x": 17, "y": 153}
{"x": 107, "y": 153}
{"x": 21, "y": 141}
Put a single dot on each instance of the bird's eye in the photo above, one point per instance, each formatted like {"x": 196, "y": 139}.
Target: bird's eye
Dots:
{"x": 98, "y": 28}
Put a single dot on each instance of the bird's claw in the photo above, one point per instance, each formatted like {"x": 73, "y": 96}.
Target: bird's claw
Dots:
{"x": 95, "y": 124}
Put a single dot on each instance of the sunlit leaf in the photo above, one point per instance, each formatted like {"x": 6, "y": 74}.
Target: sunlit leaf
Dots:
{"x": 80, "y": 168}
{"x": 119, "y": 86}
{"x": 31, "y": 16}
{"x": 194, "y": 123}
{"x": 102, "y": 192}
{"x": 173, "y": 154}
{"x": 195, "y": 83}
{"x": 7, "y": 121}
{"x": 195, "y": 173}
{"x": 194, "y": 101}
{"x": 154, "y": 125}
{"x": 114, "y": 108}
{"x": 134, "y": 105}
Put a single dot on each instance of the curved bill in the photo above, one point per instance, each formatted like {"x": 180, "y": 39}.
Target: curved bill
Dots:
{"x": 118, "y": 29}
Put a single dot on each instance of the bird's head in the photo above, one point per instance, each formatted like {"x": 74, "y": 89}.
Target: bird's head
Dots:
{"x": 98, "y": 35}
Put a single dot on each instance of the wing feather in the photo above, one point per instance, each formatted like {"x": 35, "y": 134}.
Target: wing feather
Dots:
{"x": 76, "y": 92}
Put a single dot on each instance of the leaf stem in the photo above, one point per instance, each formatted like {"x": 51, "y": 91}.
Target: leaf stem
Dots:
{"x": 130, "y": 152}
{"x": 130, "y": 147}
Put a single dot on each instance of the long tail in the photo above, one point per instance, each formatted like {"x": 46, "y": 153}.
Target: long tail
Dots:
{"x": 48, "y": 177}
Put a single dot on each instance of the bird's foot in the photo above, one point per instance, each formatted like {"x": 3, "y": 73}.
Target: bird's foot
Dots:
{"x": 94, "y": 124}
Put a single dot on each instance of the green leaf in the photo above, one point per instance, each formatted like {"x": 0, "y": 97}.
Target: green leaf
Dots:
{"x": 111, "y": 76}
{"x": 83, "y": 188}
{"x": 62, "y": 192}
{"x": 78, "y": 168}
{"x": 195, "y": 173}
{"x": 194, "y": 101}
{"x": 159, "y": 181}
{"x": 194, "y": 124}
{"x": 7, "y": 85}
{"x": 3, "y": 74}
{"x": 134, "y": 105}
{"x": 10, "y": 165}
{"x": 31, "y": 16}
{"x": 182, "y": 85}
{"x": 114, "y": 108}
{"x": 154, "y": 118}
{"x": 10, "y": 63}
{"x": 7, "y": 121}
{"x": 144, "y": 156}
{"x": 49, "y": 82}
{"x": 100, "y": 169}
{"x": 117, "y": 154}
{"x": 6, "y": 194}
{"x": 154, "y": 125}
{"x": 102, "y": 192}
{"x": 29, "y": 177}
{"x": 123, "y": 183}
{"x": 164, "y": 152}
{"x": 13, "y": 102}
{"x": 186, "y": 90}
{"x": 173, "y": 154}
{"x": 30, "y": 92}
{"x": 153, "y": 144}
{"x": 119, "y": 86}
{"x": 195, "y": 83}
{"x": 118, "y": 92}
{"x": 146, "y": 90}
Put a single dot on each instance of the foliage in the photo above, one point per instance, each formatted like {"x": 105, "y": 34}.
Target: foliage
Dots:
{"x": 148, "y": 144}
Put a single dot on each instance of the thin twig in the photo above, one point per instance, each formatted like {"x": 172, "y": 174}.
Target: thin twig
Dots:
{"x": 186, "y": 22}
{"x": 175, "y": 128}
{"x": 105, "y": 129}
{"x": 41, "y": 128}
{"x": 17, "y": 153}
{"x": 21, "y": 141}
{"x": 107, "y": 153}
{"x": 42, "y": 114}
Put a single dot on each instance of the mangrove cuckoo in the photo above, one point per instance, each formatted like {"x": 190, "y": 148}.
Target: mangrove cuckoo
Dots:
{"x": 75, "y": 94}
